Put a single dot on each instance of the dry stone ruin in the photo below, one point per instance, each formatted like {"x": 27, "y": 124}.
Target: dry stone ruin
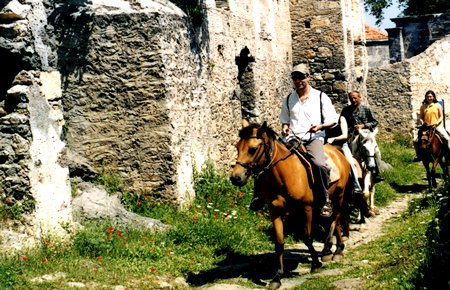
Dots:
{"x": 139, "y": 89}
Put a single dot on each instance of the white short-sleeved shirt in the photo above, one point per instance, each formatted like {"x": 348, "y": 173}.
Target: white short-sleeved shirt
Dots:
{"x": 302, "y": 115}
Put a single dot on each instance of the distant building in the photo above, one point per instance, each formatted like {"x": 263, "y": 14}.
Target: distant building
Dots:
{"x": 377, "y": 44}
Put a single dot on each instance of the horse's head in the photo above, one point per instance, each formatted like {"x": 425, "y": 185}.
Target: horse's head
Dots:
{"x": 252, "y": 148}
{"x": 365, "y": 147}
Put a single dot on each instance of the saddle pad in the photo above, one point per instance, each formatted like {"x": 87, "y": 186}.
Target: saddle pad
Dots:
{"x": 334, "y": 171}
{"x": 306, "y": 163}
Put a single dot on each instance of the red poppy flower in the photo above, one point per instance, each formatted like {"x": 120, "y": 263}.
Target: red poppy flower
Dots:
{"x": 110, "y": 230}
{"x": 9, "y": 200}
{"x": 152, "y": 270}
{"x": 215, "y": 215}
{"x": 138, "y": 203}
{"x": 24, "y": 258}
{"x": 243, "y": 214}
{"x": 143, "y": 243}
{"x": 260, "y": 227}
{"x": 147, "y": 197}
{"x": 95, "y": 271}
{"x": 99, "y": 258}
{"x": 44, "y": 260}
{"x": 208, "y": 199}
{"x": 124, "y": 243}
{"x": 151, "y": 249}
{"x": 152, "y": 240}
{"x": 241, "y": 193}
{"x": 117, "y": 232}
{"x": 109, "y": 238}
{"x": 47, "y": 241}
{"x": 217, "y": 191}
{"x": 194, "y": 219}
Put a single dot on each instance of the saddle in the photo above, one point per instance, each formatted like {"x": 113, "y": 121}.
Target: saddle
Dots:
{"x": 300, "y": 150}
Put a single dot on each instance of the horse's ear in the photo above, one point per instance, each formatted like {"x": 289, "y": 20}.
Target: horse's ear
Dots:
{"x": 245, "y": 123}
{"x": 262, "y": 129}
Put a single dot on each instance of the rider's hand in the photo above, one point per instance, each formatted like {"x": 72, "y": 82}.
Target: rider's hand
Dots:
{"x": 315, "y": 128}
{"x": 285, "y": 130}
{"x": 360, "y": 126}
{"x": 330, "y": 140}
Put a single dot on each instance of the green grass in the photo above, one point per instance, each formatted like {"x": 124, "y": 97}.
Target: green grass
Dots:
{"x": 217, "y": 229}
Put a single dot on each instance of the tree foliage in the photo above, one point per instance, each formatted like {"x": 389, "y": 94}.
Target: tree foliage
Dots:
{"x": 408, "y": 7}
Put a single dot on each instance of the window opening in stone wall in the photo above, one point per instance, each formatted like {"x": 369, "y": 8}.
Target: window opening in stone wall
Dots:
{"x": 246, "y": 85}
{"x": 12, "y": 64}
{"x": 307, "y": 24}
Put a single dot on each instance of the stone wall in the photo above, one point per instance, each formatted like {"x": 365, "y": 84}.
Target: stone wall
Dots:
{"x": 377, "y": 52}
{"x": 329, "y": 36}
{"x": 396, "y": 91}
{"x": 412, "y": 35}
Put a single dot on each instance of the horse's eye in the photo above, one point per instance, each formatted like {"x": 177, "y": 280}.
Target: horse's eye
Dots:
{"x": 252, "y": 151}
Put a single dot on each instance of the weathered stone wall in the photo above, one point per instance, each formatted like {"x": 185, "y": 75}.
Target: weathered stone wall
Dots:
{"x": 377, "y": 52}
{"x": 396, "y": 91}
{"x": 412, "y": 35}
{"x": 329, "y": 37}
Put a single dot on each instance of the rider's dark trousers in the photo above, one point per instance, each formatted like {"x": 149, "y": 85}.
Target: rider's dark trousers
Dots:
{"x": 320, "y": 167}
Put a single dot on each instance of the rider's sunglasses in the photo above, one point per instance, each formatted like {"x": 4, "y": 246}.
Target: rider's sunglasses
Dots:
{"x": 298, "y": 77}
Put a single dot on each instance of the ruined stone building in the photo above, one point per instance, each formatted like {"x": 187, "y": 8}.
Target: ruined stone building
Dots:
{"x": 137, "y": 88}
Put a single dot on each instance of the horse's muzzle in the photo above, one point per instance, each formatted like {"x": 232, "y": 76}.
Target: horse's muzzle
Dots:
{"x": 239, "y": 180}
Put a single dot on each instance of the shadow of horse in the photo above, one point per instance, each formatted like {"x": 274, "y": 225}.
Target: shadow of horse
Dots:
{"x": 409, "y": 188}
{"x": 253, "y": 267}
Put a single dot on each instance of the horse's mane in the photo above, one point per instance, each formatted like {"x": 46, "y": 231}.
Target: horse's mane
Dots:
{"x": 246, "y": 132}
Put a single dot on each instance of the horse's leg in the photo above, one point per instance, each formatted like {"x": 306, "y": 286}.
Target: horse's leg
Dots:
{"x": 275, "y": 215}
{"x": 433, "y": 171}
{"x": 339, "y": 253}
{"x": 427, "y": 169}
{"x": 308, "y": 239}
{"x": 328, "y": 243}
{"x": 372, "y": 198}
{"x": 368, "y": 178}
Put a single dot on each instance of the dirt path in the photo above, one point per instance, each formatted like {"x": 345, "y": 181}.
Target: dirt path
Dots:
{"x": 298, "y": 252}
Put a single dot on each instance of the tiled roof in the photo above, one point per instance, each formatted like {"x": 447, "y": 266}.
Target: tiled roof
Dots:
{"x": 375, "y": 34}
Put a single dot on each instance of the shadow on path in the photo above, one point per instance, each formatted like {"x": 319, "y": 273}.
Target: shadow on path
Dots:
{"x": 255, "y": 268}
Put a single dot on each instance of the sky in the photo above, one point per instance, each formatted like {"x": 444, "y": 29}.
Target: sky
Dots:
{"x": 392, "y": 12}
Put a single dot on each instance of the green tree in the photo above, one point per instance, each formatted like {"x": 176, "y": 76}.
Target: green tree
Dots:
{"x": 408, "y": 7}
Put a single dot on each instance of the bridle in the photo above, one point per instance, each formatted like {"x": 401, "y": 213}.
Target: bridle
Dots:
{"x": 269, "y": 162}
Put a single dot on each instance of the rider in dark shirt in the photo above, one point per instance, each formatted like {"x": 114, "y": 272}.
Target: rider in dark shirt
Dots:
{"x": 360, "y": 117}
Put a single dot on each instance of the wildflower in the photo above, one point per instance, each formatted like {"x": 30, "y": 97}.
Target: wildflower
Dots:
{"x": 208, "y": 199}
{"x": 260, "y": 227}
{"x": 216, "y": 209}
{"x": 9, "y": 200}
{"x": 95, "y": 271}
{"x": 150, "y": 249}
{"x": 44, "y": 260}
{"x": 215, "y": 215}
{"x": 147, "y": 197}
{"x": 124, "y": 243}
{"x": 109, "y": 230}
{"x": 152, "y": 240}
{"x": 218, "y": 191}
{"x": 152, "y": 270}
{"x": 243, "y": 214}
{"x": 109, "y": 238}
{"x": 138, "y": 203}
{"x": 194, "y": 219}
{"x": 99, "y": 258}
{"x": 117, "y": 232}
{"x": 47, "y": 241}
{"x": 143, "y": 243}
{"x": 145, "y": 238}
{"x": 190, "y": 205}
{"x": 24, "y": 258}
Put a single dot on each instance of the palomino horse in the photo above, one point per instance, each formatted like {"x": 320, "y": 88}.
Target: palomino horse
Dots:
{"x": 364, "y": 149}
{"x": 285, "y": 184}
{"x": 432, "y": 150}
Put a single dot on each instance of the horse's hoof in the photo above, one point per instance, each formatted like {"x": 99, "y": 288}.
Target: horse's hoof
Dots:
{"x": 327, "y": 258}
{"x": 338, "y": 257}
{"x": 372, "y": 213}
{"x": 274, "y": 285}
{"x": 315, "y": 266}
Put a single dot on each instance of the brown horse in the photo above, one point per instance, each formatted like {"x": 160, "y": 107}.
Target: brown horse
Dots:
{"x": 432, "y": 150}
{"x": 285, "y": 184}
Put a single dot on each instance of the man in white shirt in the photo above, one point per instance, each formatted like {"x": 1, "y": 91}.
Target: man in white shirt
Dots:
{"x": 305, "y": 113}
